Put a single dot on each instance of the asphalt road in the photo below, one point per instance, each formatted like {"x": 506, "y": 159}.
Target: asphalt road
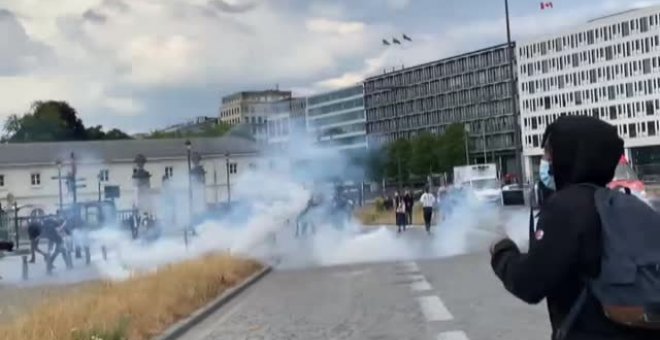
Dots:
{"x": 445, "y": 299}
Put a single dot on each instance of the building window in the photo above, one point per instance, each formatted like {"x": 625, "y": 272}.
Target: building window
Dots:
{"x": 169, "y": 171}
{"x": 104, "y": 175}
{"x": 2, "y": 180}
{"x": 35, "y": 179}
{"x": 233, "y": 168}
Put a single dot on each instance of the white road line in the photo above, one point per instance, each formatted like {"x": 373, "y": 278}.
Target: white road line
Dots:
{"x": 455, "y": 335}
{"x": 433, "y": 308}
{"x": 420, "y": 286}
{"x": 410, "y": 266}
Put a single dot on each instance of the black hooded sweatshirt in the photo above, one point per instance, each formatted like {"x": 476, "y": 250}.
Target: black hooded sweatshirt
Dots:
{"x": 568, "y": 246}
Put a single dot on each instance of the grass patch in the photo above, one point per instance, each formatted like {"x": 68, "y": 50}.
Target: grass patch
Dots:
{"x": 374, "y": 215}
{"x": 138, "y": 308}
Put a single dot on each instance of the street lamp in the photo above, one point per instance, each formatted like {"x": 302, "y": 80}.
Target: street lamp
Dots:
{"x": 514, "y": 107}
{"x": 467, "y": 148}
{"x": 227, "y": 165}
{"x": 190, "y": 195}
{"x": 59, "y": 182}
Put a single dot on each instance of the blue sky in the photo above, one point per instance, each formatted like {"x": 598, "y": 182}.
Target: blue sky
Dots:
{"x": 144, "y": 64}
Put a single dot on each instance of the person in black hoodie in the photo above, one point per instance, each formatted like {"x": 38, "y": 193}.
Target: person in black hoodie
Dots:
{"x": 567, "y": 245}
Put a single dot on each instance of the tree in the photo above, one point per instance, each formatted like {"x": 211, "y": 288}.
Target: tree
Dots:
{"x": 424, "y": 157}
{"x": 209, "y": 130}
{"x": 52, "y": 121}
{"x": 398, "y": 160}
{"x": 452, "y": 148}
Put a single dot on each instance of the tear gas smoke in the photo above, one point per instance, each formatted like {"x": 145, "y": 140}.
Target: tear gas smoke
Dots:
{"x": 273, "y": 205}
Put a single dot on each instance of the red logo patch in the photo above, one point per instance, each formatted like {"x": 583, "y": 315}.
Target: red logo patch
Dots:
{"x": 539, "y": 235}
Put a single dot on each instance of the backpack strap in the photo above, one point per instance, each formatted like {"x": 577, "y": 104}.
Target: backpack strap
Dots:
{"x": 531, "y": 224}
{"x": 568, "y": 322}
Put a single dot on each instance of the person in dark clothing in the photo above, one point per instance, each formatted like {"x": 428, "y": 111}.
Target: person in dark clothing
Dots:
{"x": 567, "y": 246}
{"x": 34, "y": 231}
{"x": 408, "y": 201}
{"x": 52, "y": 230}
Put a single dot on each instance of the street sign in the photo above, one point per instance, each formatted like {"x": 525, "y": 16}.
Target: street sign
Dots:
{"x": 111, "y": 191}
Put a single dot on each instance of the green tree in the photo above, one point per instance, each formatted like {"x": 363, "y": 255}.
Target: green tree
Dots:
{"x": 398, "y": 160}
{"x": 52, "y": 121}
{"x": 209, "y": 130}
{"x": 451, "y": 150}
{"x": 424, "y": 157}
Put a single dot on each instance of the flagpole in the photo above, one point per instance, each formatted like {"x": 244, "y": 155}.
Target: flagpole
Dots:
{"x": 514, "y": 106}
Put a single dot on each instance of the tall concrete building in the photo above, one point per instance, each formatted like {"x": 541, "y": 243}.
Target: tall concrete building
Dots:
{"x": 472, "y": 89}
{"x": 608, "y": 68}
{"x": 253, "y": 108}
{"x": 337, "y": 118}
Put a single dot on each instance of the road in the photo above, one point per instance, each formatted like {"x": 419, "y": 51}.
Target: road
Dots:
{"x": 444, "y": 299}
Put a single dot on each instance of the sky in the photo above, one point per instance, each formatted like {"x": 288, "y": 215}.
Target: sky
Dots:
{"x": 140, "y": 65}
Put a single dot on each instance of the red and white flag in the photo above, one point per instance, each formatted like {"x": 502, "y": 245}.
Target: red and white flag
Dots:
{"x": 546, "y": 5}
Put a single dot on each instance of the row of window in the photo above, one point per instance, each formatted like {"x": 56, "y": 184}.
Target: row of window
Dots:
{"x": 455, "y": 113}
{"x": 278, "y": 128}
{"x": 438, "y": 118}
{"x": 334, "y": 119}
{"x": 336, "y": 95}
{"x": 650, "y": 128}
{"x": 341, "y": 106}
{"x": 586, "y": 58}
{"x": 440, "y": 69}
{"x": 601, "y": 94}
{"x": 592, "y": 36}
{"x": 475, "y": 144}
{"x": 612, "y": 72}
{"x": 611, "y": 113}
{"x": 475, "y": 81}
{"x": 341, "y": 141}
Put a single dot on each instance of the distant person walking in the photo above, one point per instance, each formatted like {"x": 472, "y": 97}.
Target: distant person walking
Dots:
{"x": 428, "y": 202}
{"x": 408, "y": 201}
{"x": 401, "y": 217}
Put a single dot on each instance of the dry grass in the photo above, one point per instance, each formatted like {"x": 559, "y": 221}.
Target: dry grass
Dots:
{"x": 370, "y": 215}
{"x": 146, "y": 305}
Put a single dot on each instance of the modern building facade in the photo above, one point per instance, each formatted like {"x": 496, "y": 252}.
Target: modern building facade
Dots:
{"x": 608, "y": 68}
{"x": 474, "y": 89}
{"x": 253, "y": 108}
{"x": 337, "y": 118}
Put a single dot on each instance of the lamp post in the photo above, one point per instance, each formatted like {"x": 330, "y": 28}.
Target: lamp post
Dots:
{"x": 467, "y": 148}
{"x": 99, "y": 178}
{"x": 59, "y": 183}
{"x": 190, "y": 195}
{"x": 514, "y": 107}
{"x": 227, "y": 165}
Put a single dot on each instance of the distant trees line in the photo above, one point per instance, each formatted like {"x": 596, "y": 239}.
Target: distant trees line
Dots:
{"x": 56, "y": 121}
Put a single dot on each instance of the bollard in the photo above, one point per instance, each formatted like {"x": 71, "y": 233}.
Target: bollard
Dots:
{"x": 185, "y": 237}
{"x": 88, "y": 256}
{"x": 25, "y": 267}
{"x": 104, "y": 251}
{"x": 78, "y": 253}
{"x": 69, "y": 260}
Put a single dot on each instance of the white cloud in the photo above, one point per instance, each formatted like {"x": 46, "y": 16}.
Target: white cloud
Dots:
{"x": 398, "y": 4}
{"x": 321, "y": 25}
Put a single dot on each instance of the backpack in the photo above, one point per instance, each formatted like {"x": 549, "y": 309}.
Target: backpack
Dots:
{"x": 628, "y": 287}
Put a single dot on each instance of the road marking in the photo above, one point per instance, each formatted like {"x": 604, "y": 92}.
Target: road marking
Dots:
{"x": 433, "y": 308}
{"x": 455, "y": 335}
{"x": 410, "y": 266}
{"x": 420, "y": 286}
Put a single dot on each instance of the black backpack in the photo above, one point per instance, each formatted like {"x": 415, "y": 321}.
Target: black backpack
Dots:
{"x": 628, "y": 287}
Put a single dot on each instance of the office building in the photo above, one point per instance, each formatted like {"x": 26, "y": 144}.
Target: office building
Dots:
{"x": 253, "y": 108}
{"x": 474, "y": 89}
{"x": 337, "y": 119}
{"x": 608, "y": 68}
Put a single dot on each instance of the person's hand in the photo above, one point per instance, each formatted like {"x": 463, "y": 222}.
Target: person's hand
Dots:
{"x": 501, "y": 243}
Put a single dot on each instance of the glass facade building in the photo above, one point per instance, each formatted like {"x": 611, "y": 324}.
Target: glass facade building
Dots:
{"x": 473, "y": 89}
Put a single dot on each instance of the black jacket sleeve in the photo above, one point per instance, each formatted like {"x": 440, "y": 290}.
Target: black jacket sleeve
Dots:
{"x": 531, "y": 276}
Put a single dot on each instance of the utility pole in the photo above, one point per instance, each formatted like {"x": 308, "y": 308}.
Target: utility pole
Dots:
{"x": 228, "y": 166}
{"x": 466, "y": 129}
{"x": 190, "y": 195}
{"x": 59, "y": 183}
{"x": 514, "y": 105}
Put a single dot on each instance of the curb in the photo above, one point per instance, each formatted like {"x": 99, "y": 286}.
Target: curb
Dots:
{"x": 182, "y": 326}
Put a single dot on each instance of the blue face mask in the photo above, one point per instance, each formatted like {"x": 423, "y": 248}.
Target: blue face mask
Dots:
{"x": 545, "y": 174}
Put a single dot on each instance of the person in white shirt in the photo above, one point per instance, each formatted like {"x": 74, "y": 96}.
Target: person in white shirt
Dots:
{"x": 428, "y": 201}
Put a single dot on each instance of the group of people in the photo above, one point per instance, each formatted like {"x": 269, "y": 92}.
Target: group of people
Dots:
{"x": 58, "y": 234}
{"x": 403, "y": 207}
